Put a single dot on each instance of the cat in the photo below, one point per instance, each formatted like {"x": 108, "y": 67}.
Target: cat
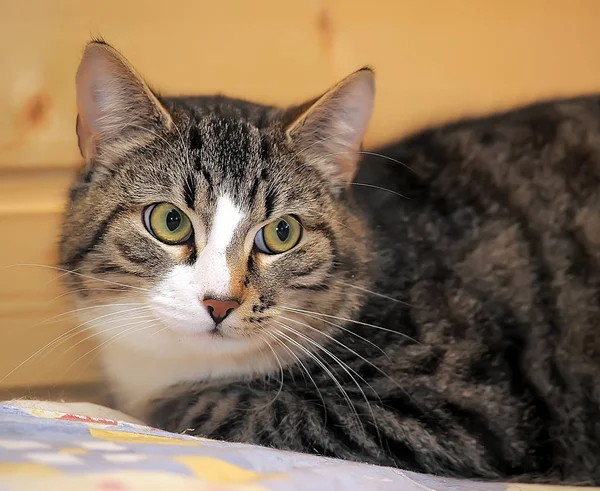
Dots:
{"x": 254, "y": 276}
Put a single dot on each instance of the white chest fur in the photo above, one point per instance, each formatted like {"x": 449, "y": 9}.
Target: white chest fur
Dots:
{"x": 137, "y": 376}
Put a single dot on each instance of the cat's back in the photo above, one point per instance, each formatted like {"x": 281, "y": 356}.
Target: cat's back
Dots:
{"x": 550, "y": 141}
{"x": 508, "y": 206}
{"x": 495, "y": 248}
{"x": 532, "y": 172}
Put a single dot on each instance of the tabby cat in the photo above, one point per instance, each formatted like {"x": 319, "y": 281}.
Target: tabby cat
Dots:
{"x": 435, "y": 308}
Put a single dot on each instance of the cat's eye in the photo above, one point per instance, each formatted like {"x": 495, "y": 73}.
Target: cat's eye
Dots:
{"x": 279, "y": 236}
{"x": 167, "y": 223}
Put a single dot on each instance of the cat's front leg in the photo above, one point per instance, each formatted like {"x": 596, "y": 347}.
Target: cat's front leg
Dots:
{"x": 283, "y": 417}
{"x": 264, "y": 414}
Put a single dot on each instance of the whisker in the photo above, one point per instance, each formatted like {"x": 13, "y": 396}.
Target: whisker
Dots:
{"x": 71, "y": 333}
{"x": 323, "y": 367}
{"x": 346, "y": 367}
{"x": 67, "y": 271}
{"x": 104, "y": 344}
{"x": 304, "y": 370}
{"x": 98, "y": 352}
{"x": 350, "y": 285}
{"x": 321, "y": 364}
{"x": 294, "y": 355}
{"x": 345, "y": 329}
{"x": 351, "y": 405}
{"x": 334, "y": 357}
{"x": 280, "y": 368}
{"x": 374, "y": 186}
{"x": 74, "y": 311}
{"x": 350, "y": 320}
{"x": 59, "y": 339}
{"x": 350, "y": 350}
{"x": 375, "y": 154}
{"x": 104, "y": 329}
{"x": 391, "y": 379}
{"x": 159, "y": 331}
{"x": 135, "y": 328}
{"x": 59, "y": 276}
{"x": 70, "y": 292}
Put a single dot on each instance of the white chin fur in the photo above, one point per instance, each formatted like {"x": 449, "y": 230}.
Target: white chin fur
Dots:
{"x": 140, "y": 367}
{"x": 168, "y": 340}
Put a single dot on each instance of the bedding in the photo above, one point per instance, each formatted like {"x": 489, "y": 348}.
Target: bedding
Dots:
{"x": 79, "y": 447}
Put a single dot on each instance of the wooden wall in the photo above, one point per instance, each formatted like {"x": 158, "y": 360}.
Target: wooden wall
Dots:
{"x": 435, "y": 60}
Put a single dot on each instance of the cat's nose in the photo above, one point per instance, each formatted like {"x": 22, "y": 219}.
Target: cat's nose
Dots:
{"x": 219, "y": 309}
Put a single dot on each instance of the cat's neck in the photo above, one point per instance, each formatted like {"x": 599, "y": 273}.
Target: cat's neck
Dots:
{"x": 136, "y": 376}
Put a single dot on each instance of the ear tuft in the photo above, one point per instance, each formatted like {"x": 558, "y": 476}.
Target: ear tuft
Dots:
{"x": 329, "y": 132}
{"x": 116, "y": 109}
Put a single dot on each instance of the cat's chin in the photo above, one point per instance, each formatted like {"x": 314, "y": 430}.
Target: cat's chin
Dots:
{"x": 194, "y": 339}
{"x": 141, "y": 365}
{"x": 196, "y": 331}
{"x": 203, "y": 333}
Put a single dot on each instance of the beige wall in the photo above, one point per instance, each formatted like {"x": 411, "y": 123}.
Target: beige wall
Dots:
{"x": 435, "y": 59}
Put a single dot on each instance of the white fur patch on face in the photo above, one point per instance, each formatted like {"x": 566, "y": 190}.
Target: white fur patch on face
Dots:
{"x": 178, "y": 297}
{"x": 211, "y": 265}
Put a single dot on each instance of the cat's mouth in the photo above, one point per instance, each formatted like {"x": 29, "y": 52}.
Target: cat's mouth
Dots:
{"x": 213, "y": 340}
{"x": 190, "y": 324}
{"x": 216, "y": 332}
{"x": 200, "y": 331}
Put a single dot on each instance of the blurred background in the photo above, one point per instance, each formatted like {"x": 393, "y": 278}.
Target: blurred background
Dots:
{"x": 435, "y": 60}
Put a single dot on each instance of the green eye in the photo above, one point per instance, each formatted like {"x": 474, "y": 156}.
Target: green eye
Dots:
{"x": 279, "y": 236}
{"x": 167, "y": 223}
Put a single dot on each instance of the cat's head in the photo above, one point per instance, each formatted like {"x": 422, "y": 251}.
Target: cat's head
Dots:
{"x": 211, "y": 227}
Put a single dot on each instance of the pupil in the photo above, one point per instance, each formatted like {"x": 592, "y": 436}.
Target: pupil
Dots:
{"x": 283, "y": 230}
{"x": 173, "y": 220}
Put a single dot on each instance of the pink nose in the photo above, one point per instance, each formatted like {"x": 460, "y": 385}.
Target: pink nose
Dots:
{"x": 219, "y": 309}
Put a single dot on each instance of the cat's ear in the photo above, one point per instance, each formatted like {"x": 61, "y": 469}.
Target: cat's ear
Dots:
{"x": 329, "y": 131}
{"x": 117, "y": 111}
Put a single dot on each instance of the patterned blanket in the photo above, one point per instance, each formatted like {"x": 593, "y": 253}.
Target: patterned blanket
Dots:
{"x": 42, "y": 448}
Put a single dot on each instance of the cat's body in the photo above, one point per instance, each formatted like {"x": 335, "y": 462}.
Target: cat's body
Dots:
{"x": 440, "y": 315}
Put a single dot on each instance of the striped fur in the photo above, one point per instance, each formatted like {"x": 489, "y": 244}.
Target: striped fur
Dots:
{"x": 441, "y": 315}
